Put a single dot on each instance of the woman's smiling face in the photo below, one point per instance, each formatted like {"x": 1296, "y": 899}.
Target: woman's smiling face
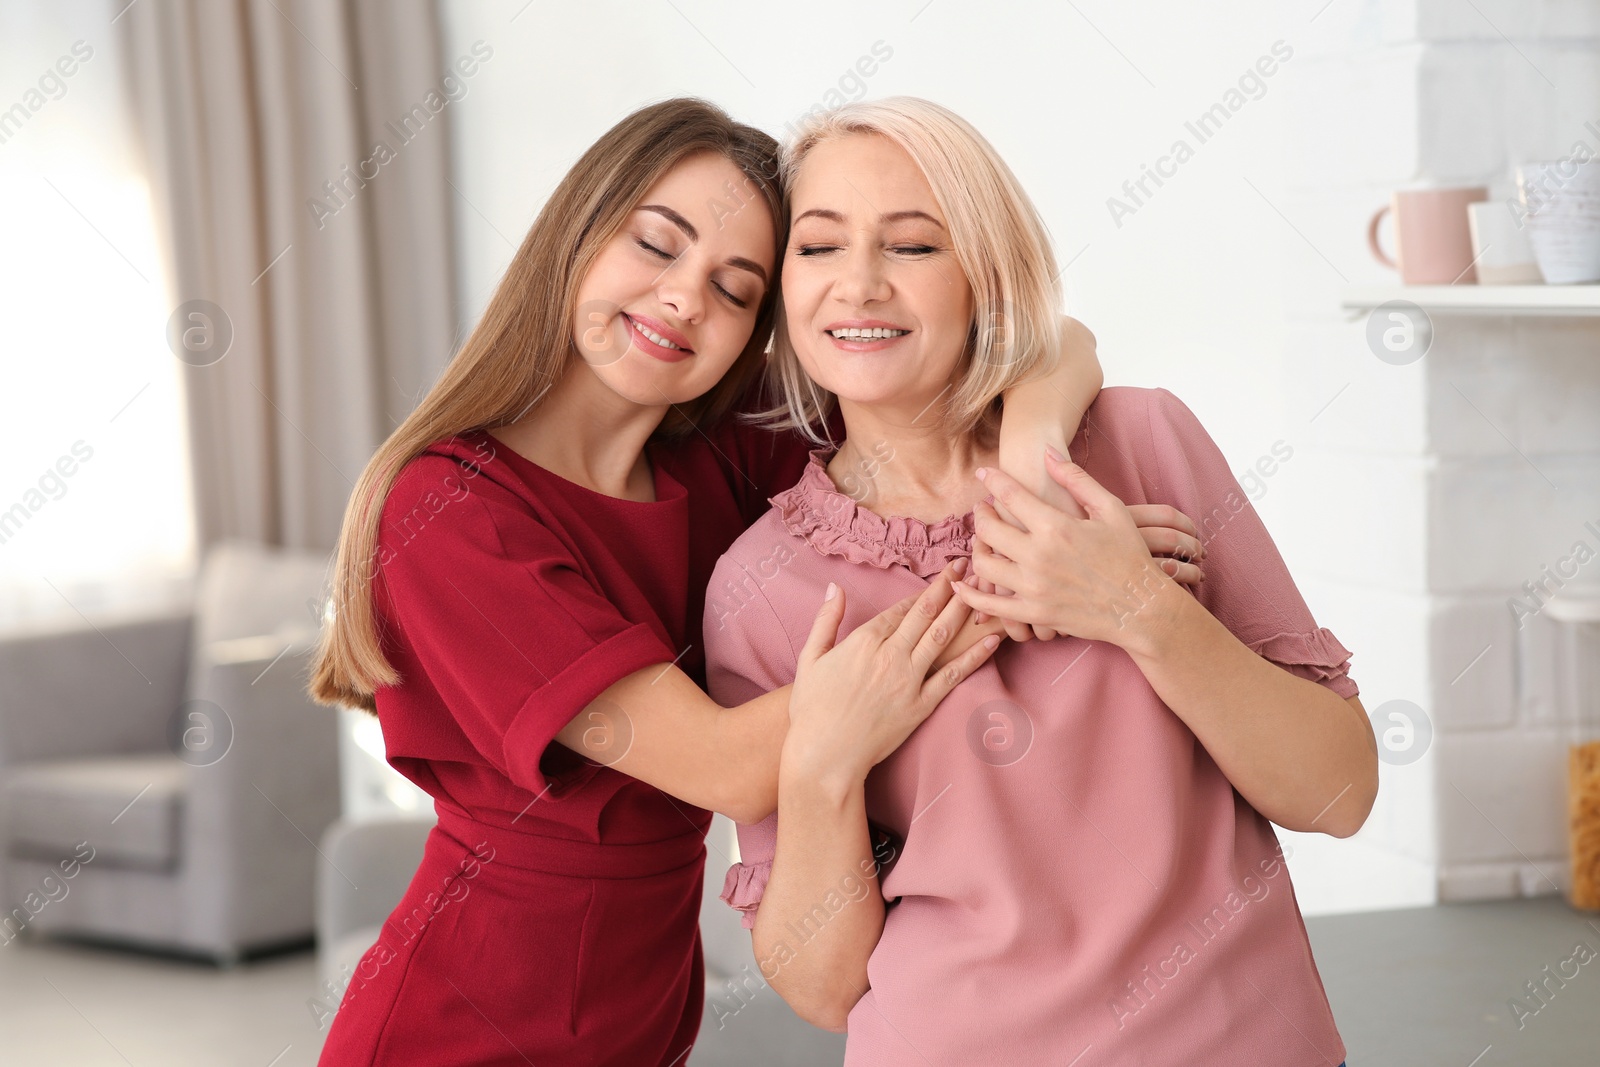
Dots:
{"x": 671, "y": 300}
{"x": 877, "y": 307}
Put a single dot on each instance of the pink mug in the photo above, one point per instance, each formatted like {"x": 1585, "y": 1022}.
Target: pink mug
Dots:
{"x": 1432, "y": 235}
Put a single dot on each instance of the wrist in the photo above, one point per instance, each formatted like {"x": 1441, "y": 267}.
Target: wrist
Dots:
{"x": 1153, "y": 615}
{"x": 805, "y": 776}
{"x": 814, "y": 748}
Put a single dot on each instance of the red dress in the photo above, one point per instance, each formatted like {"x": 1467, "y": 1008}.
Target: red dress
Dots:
{"x": 555, "y": 916}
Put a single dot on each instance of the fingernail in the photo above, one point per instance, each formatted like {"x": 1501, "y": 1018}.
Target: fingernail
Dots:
{"x": 833, "y": 591}
{"x": 982, "y": 473}
{"x": 1172, "y": 571}
{"x": 991, "y": 642}
{"x": 960, "y": 566}
{"x": 1050, "y": 450}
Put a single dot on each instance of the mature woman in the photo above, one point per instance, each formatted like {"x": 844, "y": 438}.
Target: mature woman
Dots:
{"x": 521, "y": 572}
{"x": 1074, "y": 852}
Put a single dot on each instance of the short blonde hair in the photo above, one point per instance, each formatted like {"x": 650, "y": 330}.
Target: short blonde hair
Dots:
{"x": 999, "y": 240}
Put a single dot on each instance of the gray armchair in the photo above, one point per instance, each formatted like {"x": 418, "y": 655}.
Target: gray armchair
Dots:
{"x": 365, "y": 869}
{"x": 174, "y": 766}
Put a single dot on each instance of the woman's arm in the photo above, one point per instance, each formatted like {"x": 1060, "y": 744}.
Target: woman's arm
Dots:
{"x": 660, "y": 727}
{"x": 1047, "y": 411}
{"x": 1299, "y": 753}
{"x": 1040, "y": 412}
{"x": 822, "y": 912}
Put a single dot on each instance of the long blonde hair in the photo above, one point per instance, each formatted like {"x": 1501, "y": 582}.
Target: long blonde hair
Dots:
{"x": 999, "y": 240}
{"x": 523, "y": 344}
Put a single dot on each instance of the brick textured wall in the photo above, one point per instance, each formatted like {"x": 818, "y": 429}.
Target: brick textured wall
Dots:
{"x": 1447, "y": 483}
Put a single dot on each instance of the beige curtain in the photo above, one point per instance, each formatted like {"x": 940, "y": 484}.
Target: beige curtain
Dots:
{"x": 298, "y": 154}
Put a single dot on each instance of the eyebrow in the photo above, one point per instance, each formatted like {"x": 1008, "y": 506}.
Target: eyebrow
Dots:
{"x": 893, "y": 216}
{"x": 673, "y": 217}
{"x": 750, "y": 265}
{"x": 694, "y": 235}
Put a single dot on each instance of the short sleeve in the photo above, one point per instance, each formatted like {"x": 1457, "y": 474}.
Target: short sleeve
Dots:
{"x": 748, "y": 653}
{"x": 498, "y": 613}
{"x": 1247, "y": 586}
{"x": 746, "y": 881}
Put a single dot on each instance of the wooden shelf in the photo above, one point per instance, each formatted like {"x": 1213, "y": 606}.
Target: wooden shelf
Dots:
{"x": 1567, "y": 300}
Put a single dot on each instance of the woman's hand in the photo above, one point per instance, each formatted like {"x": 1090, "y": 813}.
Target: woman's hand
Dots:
{"x": 854, "y": 702}
{"x": 1169, "y": 535}
{"x": 1088, "y": 577}
{"x": 1047, "y": 410}
{"x": 1172, "y": 540}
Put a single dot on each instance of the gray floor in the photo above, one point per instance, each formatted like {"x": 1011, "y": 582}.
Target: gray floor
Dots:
{"x": 1418, "y": 987}
{"x": 93, "y": 1007}
{"x": 1430, "y": 987}
{"x": 1421, "y": 987}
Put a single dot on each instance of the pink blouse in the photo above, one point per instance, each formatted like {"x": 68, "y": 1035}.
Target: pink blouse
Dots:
{"x": 1074, "y": 876}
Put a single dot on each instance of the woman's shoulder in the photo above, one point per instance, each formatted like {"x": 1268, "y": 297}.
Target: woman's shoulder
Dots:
{"x": 755, "y": 589}
{"x": 434, "y": 487}
{"x": 1145, "y": 446}
{"x": 1129, "y": 406}
{"x": 1141, "y": 422}
{"x": 447, "y": 458}
{"x": 765, "y": 539}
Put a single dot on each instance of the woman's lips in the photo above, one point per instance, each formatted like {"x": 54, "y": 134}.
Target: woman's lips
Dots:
{"x": 660, "y": 329}
{"x": 875, "y": 344}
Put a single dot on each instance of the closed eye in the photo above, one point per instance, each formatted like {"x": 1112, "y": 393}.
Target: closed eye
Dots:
{"x": 815, "y": 250}
{"x": 915, "y": 250}
{"x": 652, "y": 249}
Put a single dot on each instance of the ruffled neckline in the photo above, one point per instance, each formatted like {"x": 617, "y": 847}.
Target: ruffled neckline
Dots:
{"x": 836, "y": 525}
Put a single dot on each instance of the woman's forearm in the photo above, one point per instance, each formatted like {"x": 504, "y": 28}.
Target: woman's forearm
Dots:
{"x": 660, "y": 727}
{"x": 1047, "y": 411}
{"x": 1299, "y": 753}
{"x": 749, "y": 738}
{"x": 1060, "y": 397}
{"x": 822, "y": 913}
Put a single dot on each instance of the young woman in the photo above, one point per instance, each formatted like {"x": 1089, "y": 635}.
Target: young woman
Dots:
{"x": 522, "y": 567}
{"x": 1076, "y": 843}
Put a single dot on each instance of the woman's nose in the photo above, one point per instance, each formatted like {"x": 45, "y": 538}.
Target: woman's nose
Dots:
{"x": 862, "y": 280}
{"x": 677, "y": 291}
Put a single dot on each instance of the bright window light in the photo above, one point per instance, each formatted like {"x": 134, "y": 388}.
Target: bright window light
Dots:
{"x": 95, "y": 508}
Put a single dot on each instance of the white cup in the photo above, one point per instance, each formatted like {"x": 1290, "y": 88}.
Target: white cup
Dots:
{"x": 1561, "y": 204}
{"x": 1500, "y": 246}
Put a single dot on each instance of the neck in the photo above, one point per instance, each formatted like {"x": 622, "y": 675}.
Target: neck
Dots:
{"x": 586, "y": 433}
{"x": 907, "y": 464}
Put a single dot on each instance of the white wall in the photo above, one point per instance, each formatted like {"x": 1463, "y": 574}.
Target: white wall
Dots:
{"x": 1185, "y": 294}
{"x": 1221, "y": 286}
{"x": 1449, "y": 481}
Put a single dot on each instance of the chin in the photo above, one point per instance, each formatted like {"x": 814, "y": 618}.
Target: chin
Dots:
{"x": 873, "y": 393}
{"x": 651, "y": 386}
